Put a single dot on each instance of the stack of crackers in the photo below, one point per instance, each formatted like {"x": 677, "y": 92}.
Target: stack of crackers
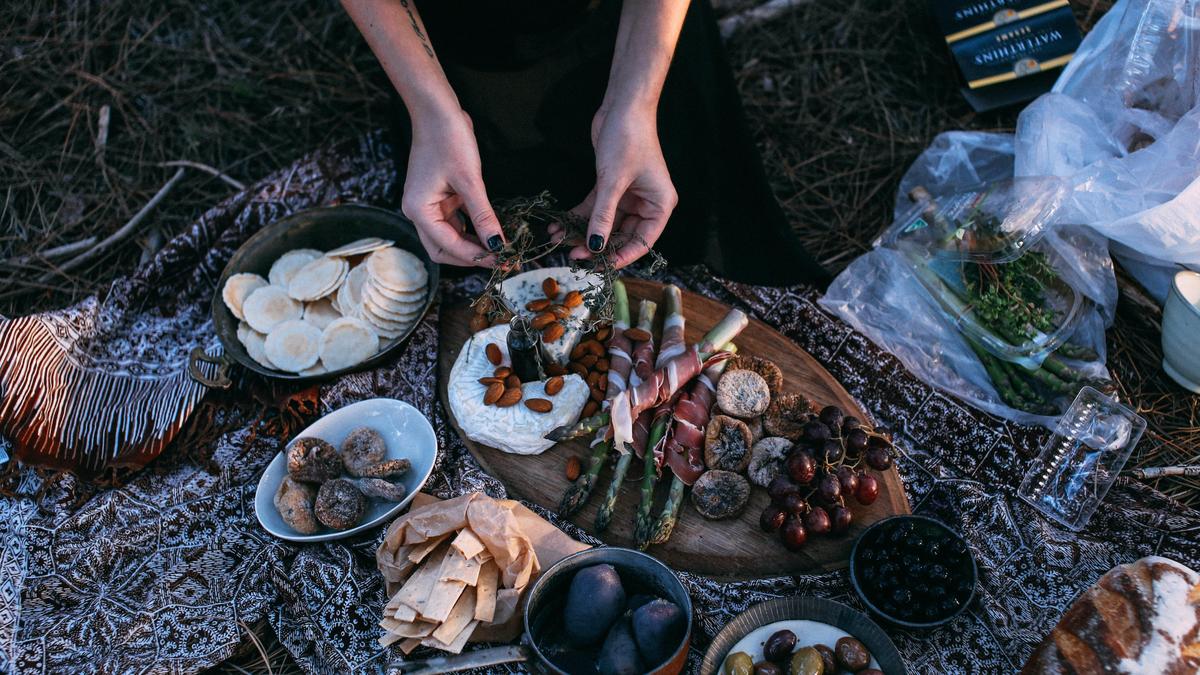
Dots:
{"x": 323, "y": 311}
{"x": 451, "y": 567}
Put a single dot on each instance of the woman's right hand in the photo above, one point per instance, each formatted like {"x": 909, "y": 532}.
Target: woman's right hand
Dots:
{"x": 444, "y": 179}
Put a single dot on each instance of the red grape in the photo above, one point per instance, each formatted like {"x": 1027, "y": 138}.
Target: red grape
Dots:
{"x": 780, "y": 487}
{"x": 841, "y": 518}
{"x": 832, "y": 452}
{"x": 817, "y": 521}
{"x": 849, "y": 423}
{"x": 848, "y": 477}
{"x": 815, "y": 432}
{"x": 829, "y": 488}
{"x": 868, "y": 490}
{"x": 772, "y": 518}
{"x": 856, "y": 441}
{"x": 793, "y": 534}
{"x": 794, "y": 503}
{"x": 831, "y": 416}
{"x": 801, "y": 467}
{"x": 879, "y": 459}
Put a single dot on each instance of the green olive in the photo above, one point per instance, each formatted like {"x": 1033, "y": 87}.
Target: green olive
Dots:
{"x": 807, "y": 661}
{"x": 739, "y": 663}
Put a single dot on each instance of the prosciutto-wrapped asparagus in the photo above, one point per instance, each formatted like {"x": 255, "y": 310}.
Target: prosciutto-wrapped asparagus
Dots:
{"x": 620, "y": 366}
{"x": 627, "y": 405}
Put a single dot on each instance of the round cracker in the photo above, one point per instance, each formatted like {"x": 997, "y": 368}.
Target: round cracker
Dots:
{"x": 269, "y": 306}
{"x": 380, "y": 319}
{"x": 318, "y": 278}
{"x": 255, "y": 344}
{"x": 317, "y": 369}
{"x": 359, "y": 247}
{"x": 237, "y": 288}
{"x": 349, "y": 295}
{"x": 397, "y": 269}
{"x": 321, "y": 313}
{"x": 348, "y": 342}
{"x": 417, "y": 295}
{"x": 294, "y": 345}
{"x": 243, "y": 330}
{"x": 289, "y": 263}
{"x": 372, "y": 292}
{"x": 384, "y": 327}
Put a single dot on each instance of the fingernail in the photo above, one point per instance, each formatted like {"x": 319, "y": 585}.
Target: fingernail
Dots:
{"x": 495, "y": 243}
{"x": 596, "y": 243}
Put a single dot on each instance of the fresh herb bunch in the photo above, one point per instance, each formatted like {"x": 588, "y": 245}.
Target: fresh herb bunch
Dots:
{"x": 524, "y": 221}
{"x": 1012, "y": 296}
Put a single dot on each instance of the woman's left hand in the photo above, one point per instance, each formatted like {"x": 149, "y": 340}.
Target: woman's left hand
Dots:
{"x": 634, "y": 195}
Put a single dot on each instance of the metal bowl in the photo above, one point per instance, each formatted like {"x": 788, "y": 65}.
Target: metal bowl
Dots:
{"x": 813, "y": 609}
{"x": 868, "y": 538}
{"x": 323, "y": 228}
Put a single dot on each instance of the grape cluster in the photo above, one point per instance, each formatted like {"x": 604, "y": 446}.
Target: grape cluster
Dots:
{"x": 824, "y": 472}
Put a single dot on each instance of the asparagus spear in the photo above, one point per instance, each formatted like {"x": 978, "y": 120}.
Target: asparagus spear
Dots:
{"x": 619, "y": 368}
{"x": 643, "y": 354}
{"x": 676, "y": 373}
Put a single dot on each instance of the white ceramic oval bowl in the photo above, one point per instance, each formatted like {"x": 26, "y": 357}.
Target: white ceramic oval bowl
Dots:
{"x": 408, "y": 435}
{"x": 1181, "y": 331}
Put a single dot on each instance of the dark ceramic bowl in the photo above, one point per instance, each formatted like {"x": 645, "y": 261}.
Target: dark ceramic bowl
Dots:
{"x": 812, "y": 609}
{"x": 870, "y": 540}
{"x": 324, "y": 229}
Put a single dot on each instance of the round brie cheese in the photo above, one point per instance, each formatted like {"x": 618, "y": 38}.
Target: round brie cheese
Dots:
{"x": 515, "y": 429}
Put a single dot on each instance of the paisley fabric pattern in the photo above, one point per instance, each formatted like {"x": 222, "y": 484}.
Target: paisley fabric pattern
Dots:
{"x": 164, "y": 572}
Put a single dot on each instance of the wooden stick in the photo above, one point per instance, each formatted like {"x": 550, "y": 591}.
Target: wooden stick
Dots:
{"x": 120, "y": 235}
{"x": 212, "y": 171}
{"x": 757, "y": 15}
{"x": 1153, "y": 472}
{"x": 50, "y": 253}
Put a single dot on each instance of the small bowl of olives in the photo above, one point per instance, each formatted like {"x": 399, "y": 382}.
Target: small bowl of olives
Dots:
{"x": 913, "y": 571}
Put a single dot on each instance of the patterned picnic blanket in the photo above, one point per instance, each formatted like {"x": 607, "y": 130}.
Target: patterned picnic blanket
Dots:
{"x": 164, "y": 571}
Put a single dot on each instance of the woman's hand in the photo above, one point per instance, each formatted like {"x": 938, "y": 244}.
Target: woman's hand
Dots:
{"x": 634, "y": 195}
{"x": 444, "y": 176}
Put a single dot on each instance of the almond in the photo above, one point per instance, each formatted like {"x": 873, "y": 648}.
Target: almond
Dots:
{"x": 637, "y": 334}
{"x": 597, "y": 395}
{"x": 553, "y": 332}
{"x": 578, "y": 369}
{"x": 539, "y": 405}
{"x": 604, "y": 333}
{"x": 590, "y": 409}
{"x": 588, "y": 361}
{"x": 494, "y": 391}
{"x": 550, "y": 287}
{"x": 502, "y": 372}
{"x": 574, "y": 467}
{"x": 560, "y": 311}
{"x": 479, "y": 322}
{"x": 554, "y": 385}
{"x": 555, "y": 370}
{"x": 509, "y": 398}
{"x": 573, "y": 299}
{"x": 592, "y": 378}
{"x": 542, "y": 320}
{"x": 594, "y": 347}
{"x": 512, "y": 382}
{"x": 485, "y": 381}
{"x": 579, "y": 350}
{"x": 540, "y": 305}
{"x": 602, "y": 365}
{"x": 493, "y": 353}
{"x": 602, "y": 383}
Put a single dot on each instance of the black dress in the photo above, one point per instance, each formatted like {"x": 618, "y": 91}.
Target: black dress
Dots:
{"x": 532, "y": 73}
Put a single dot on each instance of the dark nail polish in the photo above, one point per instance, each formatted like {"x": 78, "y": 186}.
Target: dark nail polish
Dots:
{"x": 596, "y": 243}
{"x": 495, "y": 243}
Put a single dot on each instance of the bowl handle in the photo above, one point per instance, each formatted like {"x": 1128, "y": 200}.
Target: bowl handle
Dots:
{"x": 458, "y": 662}
{"x": 223, "y": 363}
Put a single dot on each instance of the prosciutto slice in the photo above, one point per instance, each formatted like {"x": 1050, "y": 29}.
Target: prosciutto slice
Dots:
{"x": 658, "y": 389}
{"x": 684, "y": 448}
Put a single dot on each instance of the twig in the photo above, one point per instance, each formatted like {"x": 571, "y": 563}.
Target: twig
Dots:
{"x": 50, "y": 253}
{"x": 1153, "y": 472}
{"x": 206, "y": 169}
{"x": 756, "y": 15}
{"x": 118, "y": 236}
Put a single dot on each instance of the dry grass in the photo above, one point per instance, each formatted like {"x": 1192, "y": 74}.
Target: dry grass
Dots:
{"x": 842, "y": 96}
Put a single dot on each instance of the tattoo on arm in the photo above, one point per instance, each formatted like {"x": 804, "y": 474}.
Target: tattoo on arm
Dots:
{"x": 416, "y": 26}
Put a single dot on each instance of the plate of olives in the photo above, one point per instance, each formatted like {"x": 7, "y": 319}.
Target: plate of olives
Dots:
{"x": 801, "y": 636}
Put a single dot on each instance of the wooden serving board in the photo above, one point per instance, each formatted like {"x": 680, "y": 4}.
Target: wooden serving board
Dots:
{"x": 732, "y": 548}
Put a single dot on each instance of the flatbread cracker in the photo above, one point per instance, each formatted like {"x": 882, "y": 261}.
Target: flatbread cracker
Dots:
{"x": 485, "y": 591}
{"x": 416, "y": 589}
{"x": 419, "y": 551}
{"x": 294, "y": 345}
{"x": 318, "y": 278}
{"x": 462, "y": 614}
{"x": 289, "y": 263}
{"x": 457, "y": 645}
{"x": 270, "y": 306}
{"x": 256, "y": 346}
{"x": 467, "y": 544}
{"x": 349, "y": 295}
{"x": 321, "y": 313}
{"x": 347, "y": 342}
{"x": 397, "y": 269}
{"x": 442, "y": 598}
{"x": 237, "y": 288}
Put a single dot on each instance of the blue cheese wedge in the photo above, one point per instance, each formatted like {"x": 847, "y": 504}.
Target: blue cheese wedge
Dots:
{"x": 523, "y": 288}
{"x": 514, "y": 429}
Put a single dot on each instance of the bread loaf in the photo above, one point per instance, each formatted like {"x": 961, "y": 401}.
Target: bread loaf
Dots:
{"x": 1143, "y": 617}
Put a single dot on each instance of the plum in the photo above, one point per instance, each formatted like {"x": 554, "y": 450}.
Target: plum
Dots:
{"x": 637, "y": 600}
{"x": 619, "y": 655}
{"x": 658, "y": 627}
{"x": 596, "y": 598}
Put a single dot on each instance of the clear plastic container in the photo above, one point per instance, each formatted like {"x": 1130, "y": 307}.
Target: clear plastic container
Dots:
{"x": 1082, "y": 459}
{"x": 979, "y": 255}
